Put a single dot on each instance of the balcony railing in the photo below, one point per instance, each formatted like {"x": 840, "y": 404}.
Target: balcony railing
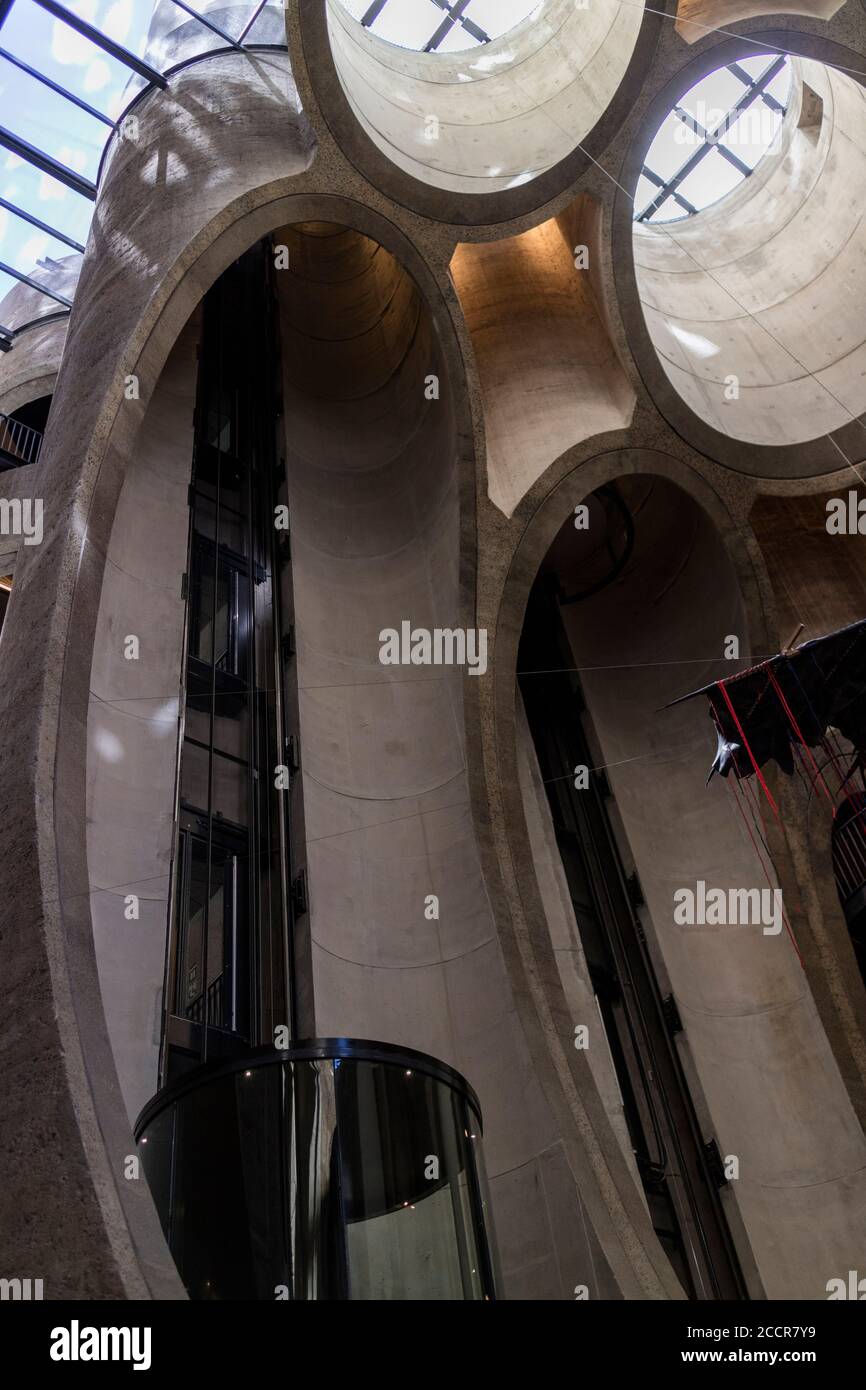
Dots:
{"x": 849, "y": 853}
{"x": 19, "y": 443}
{"x": 334, "y": 1170}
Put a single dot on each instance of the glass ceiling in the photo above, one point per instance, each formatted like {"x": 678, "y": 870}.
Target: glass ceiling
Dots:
{"x": 440, "y": 26}
{"x": 714, "y": 138}
{"x": 67, "y": 73}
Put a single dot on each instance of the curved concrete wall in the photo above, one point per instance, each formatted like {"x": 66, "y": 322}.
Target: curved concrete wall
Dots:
{"x": 132, "y": 727}
{"x": 768, "y": 289}
{"x": 497, "y": 116}
{"x": 549, "y": 374}
{"x": 775, "y": 1095}
{"x": 29, "y": 370}
{"x": 695, "y": 17}
{"x": 175, "y": 37}
{"x": 375, "y": 508}
{"x": 188, "y": 197}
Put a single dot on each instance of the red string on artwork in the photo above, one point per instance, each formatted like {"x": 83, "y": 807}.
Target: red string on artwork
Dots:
{"x": 735, "y": 792}
{"x": 795, "y": 726}
{"x": 758, "y": 773}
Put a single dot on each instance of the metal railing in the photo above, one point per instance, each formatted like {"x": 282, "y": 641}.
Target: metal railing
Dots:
{"x": 849, "y": 849}
{"x": 19, "y": 443}
{"x": 211, "y": 1005}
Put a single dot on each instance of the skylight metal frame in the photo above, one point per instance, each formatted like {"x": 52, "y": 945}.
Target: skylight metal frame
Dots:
{"x": 455, "y": 12}
{"x": 754, "y": 91}
{"x": 70, "y": 178}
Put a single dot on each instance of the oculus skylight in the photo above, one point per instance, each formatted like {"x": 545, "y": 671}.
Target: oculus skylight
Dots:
{"x": 440, "y": 26}
{"x": 714, "y": 138}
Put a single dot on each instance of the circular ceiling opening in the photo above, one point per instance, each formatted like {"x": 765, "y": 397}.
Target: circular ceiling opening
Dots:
{"x": 481, "y": 96}
{"x": 437, "y": 26}
{"x": 749, "y": 241}
{"x": 714, "y": 137}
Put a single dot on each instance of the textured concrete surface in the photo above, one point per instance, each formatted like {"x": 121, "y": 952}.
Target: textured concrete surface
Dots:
{"x": 132, "y": 724}
{"x": 484, "y": 121}
{"x": 765, "y": 288}
{"x": 549, "y": 374}
{"x": 226, "y": 158}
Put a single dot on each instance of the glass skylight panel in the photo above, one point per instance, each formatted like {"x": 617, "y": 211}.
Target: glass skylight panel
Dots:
{"x": 458, "y": 40}
{"x": 409, "y": 24}
{"x": 44, "y": 197}
{"x": 738, "y": 109}
{"x": 497, "y": 17}
{"x": 423, "y": 24}
{"x": 67, "y": 57}
{"x": 752, "y": 133}
{"x": 55, "y": 124}
{"x": 709, "y": 181}
{"x": 713, "y": 96}
{"x": 49, "y": 121}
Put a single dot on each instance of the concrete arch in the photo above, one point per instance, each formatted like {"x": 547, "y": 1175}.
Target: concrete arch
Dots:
{"x": 696, "y": 17}
{"x": 139, "y": 286}
{"x": 550, "y": 375}
{"x": 817, "y": 1163}
{"x": 556, "y": 84}
{"x": 745, "y": 309}
{"x": 99, "y": 1236}
{"x": 30, "y": 368}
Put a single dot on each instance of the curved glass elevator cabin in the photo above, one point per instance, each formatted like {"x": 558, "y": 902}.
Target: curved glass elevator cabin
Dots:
{"x": 335, "y": 1170}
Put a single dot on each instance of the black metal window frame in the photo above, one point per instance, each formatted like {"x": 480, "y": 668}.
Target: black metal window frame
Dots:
{"x": 455, "y": 13}
{"x": 224, "y": 1002}
{"x": 754, "y": 90}
{"x": 45, "y": 163}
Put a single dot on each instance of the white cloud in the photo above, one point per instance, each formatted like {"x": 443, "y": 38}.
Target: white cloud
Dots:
{"x": 73, "y": 159}
{"x": 118, "y": 20}
{"x": 50, "y": 190}
{"x": 97, "y": 76}
{"x": 32, "y": 250}
{"x": 67, "y": 46}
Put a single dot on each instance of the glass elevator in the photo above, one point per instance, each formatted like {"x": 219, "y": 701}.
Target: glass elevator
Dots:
{"x": 281, "y": 1168}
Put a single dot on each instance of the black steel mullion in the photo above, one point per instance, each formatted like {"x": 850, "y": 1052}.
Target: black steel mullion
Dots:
{"x": 673, "y": 183}
{"x": 208, "y": 23}
{"x": 745, "y": 101}
{"x": 95, "y": 36}
{"x": 56, "y": 87}
{"x": 688, "y": 119}
{"x": 249, "y": 25}
{"x": 373, "y": 13}
{"x": 454, "y": 14}
{"x": 254, "y": 924}
{"x": 212, "y": 703}
{"x": 475, "y": 30}
{"x": 733, "y": 159}
{"x": 43, "y": 226}
{"x": 47, "y": 164}
{"x": 34, "y": 284}
{"x": 660, "y": 183}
